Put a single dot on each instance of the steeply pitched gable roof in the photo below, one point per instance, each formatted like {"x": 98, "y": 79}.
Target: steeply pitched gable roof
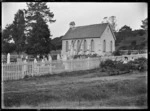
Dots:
{"x": 88, "y": 31}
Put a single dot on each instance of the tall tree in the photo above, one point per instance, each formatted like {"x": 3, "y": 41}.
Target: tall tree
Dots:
{"x": 42, "y": 9}
{"x": 18, "y": 28}
{"x": 7, "y": 46}
{"x": 39, "y": 38}
{"x": 38, "y": 15}
{"x": 144, "y": 24}
{"x": 112, "y": 21}
{"x": 124, "y": 32}
{"x": 125, "y": 28}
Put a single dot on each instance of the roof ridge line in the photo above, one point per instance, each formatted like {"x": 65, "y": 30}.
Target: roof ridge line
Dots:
{"x": 91, "y": 25}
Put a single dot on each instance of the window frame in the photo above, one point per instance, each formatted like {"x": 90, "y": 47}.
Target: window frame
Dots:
{"x": 67, "y": 49}
{"x": 104, "y": 45}
{"x": 111, "y": 46}
{"x": 85, "y": 46}
{"x": 92, "y": 45}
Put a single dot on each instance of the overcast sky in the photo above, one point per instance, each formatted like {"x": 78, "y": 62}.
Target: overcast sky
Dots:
{"x": 129, "y": 14}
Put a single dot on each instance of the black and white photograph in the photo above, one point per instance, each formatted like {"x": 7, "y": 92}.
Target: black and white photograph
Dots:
{"x": 74, "y": 55}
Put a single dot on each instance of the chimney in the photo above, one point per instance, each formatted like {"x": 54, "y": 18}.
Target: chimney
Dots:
{"x": 72, "y": 24}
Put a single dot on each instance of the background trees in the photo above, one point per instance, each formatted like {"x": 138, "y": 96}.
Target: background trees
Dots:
{"x": 144, "y": 24}
{"x": 29, "y": 31}
{"x": 18, "y": 28}
{"x": 38, "y": 16}
{"x": 7, "y": 46}
{"x": 39, "y": 38}
{"x": 128, "y": 39}
{"x": 112, "y": 21}
{"x": 14, "y": 33}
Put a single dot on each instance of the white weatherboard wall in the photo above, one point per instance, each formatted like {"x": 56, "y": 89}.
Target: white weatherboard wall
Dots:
{"x": 107, "y": 36}
{"x": 97, "y": 46}
{"x": 98, "y": 43}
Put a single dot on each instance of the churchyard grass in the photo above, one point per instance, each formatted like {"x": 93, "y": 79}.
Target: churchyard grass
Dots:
{"x": 83, "y": 89}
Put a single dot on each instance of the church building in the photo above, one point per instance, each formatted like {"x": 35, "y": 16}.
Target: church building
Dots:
{"x": 90, "y": 39}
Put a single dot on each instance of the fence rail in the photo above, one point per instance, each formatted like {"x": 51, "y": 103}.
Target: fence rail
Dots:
{"x": 14, "y": 71}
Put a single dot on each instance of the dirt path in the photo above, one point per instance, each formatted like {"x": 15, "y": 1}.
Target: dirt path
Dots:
{"x": 77, "y": 79}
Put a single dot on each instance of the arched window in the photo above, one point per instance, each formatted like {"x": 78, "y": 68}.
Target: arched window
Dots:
{"x": 92, "y": 45}
{"x": 72, "y": 45}
{"x": 85, "y": 45}
{"x": 111, "y": 46}
{"x": 66, "y": 46}
{"x": 78, "y": 43}
{"x": 104, "y": 46}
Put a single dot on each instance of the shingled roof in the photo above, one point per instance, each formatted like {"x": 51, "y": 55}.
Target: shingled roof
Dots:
{"x": 87, "y": 31}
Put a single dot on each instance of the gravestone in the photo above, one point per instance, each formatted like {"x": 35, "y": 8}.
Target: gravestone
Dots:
{"x": 35, "y": 61}
{"x": 26, "y": 57}
{"x": 49, "y": 58}
{"x": 58, "y": 57}
{"x": 42, "y": 62}
{"x": 8, "y": 58}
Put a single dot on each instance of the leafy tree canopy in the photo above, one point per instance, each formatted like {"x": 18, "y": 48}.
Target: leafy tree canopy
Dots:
{"x": 144, "y": 24}
{"x": 38, "y": 39}
{"x": 125, "y": 28}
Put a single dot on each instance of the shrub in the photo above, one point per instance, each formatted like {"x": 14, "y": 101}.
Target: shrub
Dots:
{"x": 107, "y": 63}
{"x": 115, "y": 67}
{"x": 142, "y": 64}
{"x": 129, "y": 52}
{"x": 94, "y": 55}
{"x": 117, "y": 53}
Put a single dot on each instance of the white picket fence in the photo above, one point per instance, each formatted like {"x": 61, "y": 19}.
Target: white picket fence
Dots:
{"x": 14, "y": 71}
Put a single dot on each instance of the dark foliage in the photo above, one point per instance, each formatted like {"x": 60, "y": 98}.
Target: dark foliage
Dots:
{"x": 117, "y": 67}
{"x": 38, "y": 14}
{"x": 117, "y": 53}
{"x": 85, "y": 56}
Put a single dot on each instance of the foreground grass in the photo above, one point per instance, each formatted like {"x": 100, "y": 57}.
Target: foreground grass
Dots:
{"x": 114, "y": 93}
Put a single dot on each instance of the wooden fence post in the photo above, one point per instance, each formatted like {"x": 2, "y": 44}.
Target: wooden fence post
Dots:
{"x": 88, "y": 62}
{"x": 23, "y": 69}
{"x": 50, "y": 69}
{"x": 2, "y": 72}
{"x": 71, "y": 65}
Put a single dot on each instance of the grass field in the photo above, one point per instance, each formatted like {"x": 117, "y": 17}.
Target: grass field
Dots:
{"x": 78, "y": 90}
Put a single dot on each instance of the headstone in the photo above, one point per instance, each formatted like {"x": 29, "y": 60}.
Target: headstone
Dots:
{"x": 49, "y": 58}
{"x": 38, "y": 56}
{"x": 64, "y": 57}
{"x": 8, "y": 58}
{"x": 26, "y": 57}
{"x": 35, "y": 61}
{"x": 58, "y": 57}
{"x": 42, "y": 62}
{"x": 45, "y": 59}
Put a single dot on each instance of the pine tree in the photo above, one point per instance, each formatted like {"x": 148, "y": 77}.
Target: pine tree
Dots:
{"x": 17, "y": 32}
{"x": 39, "y": 38}
{"x": 7, "y": 47}
{"x": 38, "y": 15}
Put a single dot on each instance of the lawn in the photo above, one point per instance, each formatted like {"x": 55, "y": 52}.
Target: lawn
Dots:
{"x": 78, "y": 90}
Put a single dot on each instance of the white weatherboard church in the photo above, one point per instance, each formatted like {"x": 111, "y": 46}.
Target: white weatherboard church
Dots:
{"x": 90, "y": 39}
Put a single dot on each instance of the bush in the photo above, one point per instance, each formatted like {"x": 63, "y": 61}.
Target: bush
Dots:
{"x": 117, "y": 53}
{"x": 117, "y": 67}
{"x": 129, "y": 52}
{"x": 94, "y": 55}
{"x": 142, "y": 64}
